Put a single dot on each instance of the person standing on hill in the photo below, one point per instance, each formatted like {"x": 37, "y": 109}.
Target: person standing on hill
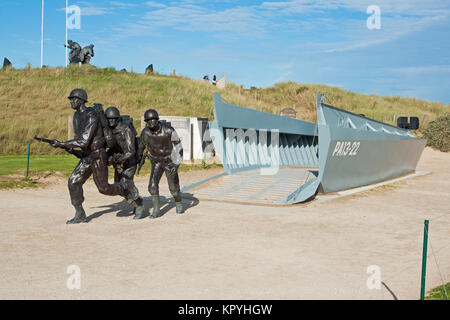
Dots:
{"x": 166, "y": 153}
{"x": 90, "y": 138}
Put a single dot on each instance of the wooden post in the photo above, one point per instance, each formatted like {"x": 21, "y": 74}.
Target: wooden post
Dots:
{"x": 70, "y": 133}
{"x": 131, "y": 69}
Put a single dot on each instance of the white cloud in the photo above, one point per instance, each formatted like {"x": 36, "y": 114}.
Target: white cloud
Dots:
{"x": 122, "y": 5}
{"x": 387, "y": 6}
{"x": 299, "y": 17}
{"x": 421, "y": 70}
{"x": 87, "y": 9}
{"x": 94, "y": 11}
{"x": 195, "y": 18}
{"x": 155, "y": 4}
{"x": 391, "y": 30}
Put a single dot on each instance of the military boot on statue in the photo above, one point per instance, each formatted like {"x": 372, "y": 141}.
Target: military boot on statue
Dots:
{"x": 155, "y": 211}
{"x": 180, "y": 208}
{"x": 80, "y": 216}
{"x": 139, "y": 209}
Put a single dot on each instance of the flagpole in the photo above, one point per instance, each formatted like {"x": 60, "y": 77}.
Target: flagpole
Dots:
{"x": 66, "y": 31}
{"x": 42, "y": 36}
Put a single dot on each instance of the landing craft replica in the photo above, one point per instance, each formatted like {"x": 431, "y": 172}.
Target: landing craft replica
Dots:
{"x": 281, "y": 160}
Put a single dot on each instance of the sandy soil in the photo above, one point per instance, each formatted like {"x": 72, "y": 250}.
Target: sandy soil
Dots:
{"x": 227, "y": 251}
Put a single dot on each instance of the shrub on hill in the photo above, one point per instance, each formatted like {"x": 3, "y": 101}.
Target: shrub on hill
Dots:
{"x": 438, "y": 133}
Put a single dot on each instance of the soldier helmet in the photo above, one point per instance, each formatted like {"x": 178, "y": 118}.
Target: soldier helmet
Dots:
{"x": 112, "y": 113}
{"x": 79, "y": 93}
{"x": 150, "y": 114}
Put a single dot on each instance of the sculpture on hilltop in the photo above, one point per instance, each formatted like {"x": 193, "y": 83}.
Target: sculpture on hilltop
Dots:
{"x": 78, "y": 54}
{"x": 6, "y": 63}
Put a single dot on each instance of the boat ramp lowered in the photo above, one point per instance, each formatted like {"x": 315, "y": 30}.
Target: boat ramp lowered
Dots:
{"x": 276, "y": 160}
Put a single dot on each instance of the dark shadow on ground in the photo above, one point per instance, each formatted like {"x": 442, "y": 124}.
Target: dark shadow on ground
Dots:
{"x": 167, "y": 204}
{"x": 124, "y": 209}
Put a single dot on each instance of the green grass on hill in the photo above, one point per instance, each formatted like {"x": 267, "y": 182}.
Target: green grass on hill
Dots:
{"x": 34, "y": 101}
{"x": 10, "y": 165}
{"x": 13, "y": 169}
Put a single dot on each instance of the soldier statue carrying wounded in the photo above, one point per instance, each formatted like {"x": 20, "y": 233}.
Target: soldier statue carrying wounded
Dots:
{"x": 90, "y": 146}
{"x": 122, "y": 154}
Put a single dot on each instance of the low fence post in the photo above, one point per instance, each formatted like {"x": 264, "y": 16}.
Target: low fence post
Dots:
{"x": 424, "y": 260}
{"x": 28, "y": 159}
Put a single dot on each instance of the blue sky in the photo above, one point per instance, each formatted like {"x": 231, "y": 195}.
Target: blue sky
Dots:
{"x": 253, "y": 43}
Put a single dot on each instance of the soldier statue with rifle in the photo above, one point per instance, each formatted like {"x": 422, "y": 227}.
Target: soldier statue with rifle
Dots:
{"x": 166, "y": 153}
{"x": 92, "y": 135}
{"x": 122, "y": 154}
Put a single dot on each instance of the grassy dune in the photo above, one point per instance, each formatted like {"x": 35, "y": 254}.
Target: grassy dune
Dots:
{"x": 34, "y": 101}
{"x": 13, "y": 169}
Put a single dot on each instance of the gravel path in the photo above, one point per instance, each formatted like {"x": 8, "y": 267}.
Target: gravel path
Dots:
{"x": 227, "y": 251}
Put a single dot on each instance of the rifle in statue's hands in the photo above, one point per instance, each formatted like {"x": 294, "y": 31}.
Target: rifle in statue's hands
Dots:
{"x": 77, "y": 153}
{"x": 141, "y": 163}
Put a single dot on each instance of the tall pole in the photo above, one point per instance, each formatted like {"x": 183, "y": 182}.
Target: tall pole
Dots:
{"x": 42, "y": 36}
{"x": 66, "y": 31}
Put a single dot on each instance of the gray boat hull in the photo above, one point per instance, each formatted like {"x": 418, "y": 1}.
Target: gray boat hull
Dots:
{"x": 347, "y": 150}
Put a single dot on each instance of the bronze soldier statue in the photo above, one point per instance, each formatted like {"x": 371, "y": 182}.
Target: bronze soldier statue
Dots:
{"x": 75, "y": 50}
{"x": 90, "y": 138}
{"x": 122, "y": 154}
{"x": 166, "y": 153}
{"x": 78, "y": 54}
